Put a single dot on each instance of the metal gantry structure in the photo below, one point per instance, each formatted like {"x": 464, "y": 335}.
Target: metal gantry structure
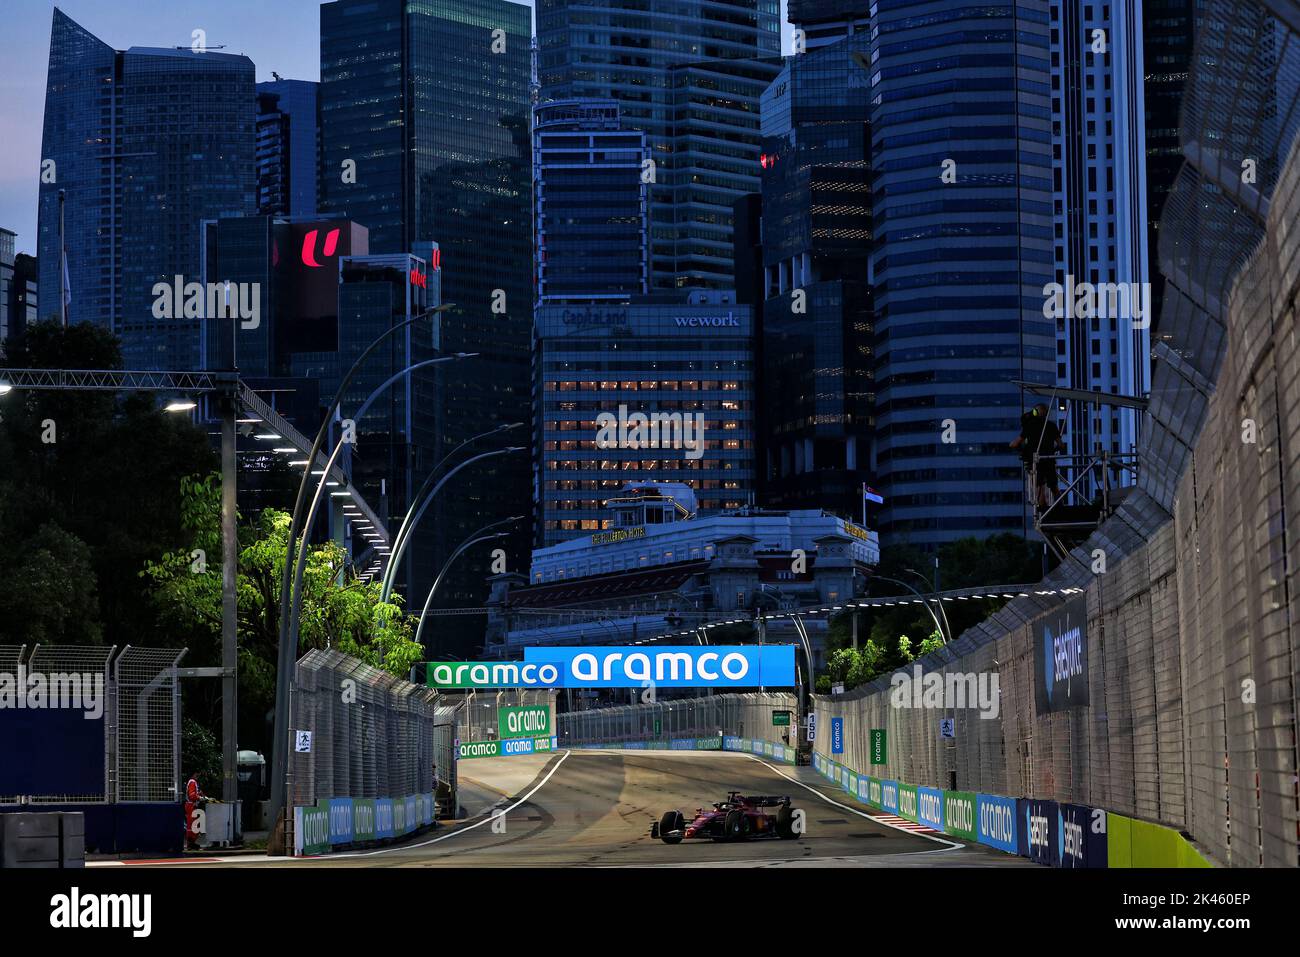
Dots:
{"x": 231, "y": 397}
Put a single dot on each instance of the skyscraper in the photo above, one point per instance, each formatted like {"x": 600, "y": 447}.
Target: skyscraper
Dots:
{"x": 17, "y": 288}
{"x": 816, "y": 381}
{"x": 1100, "y": 214}
{"x": 425, "y": 136}
{"x": 689, "y": 76}
{"x": 590, "y": 204}
{"x": 962, "y": 207}
{"x": 287, "y": 148}
{"x": 144, "y": 145}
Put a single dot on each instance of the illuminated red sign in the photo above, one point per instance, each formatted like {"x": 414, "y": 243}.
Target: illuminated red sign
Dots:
{"x": 309, "y": 247}
{"x": 435, "y": 262}
{"x": 419, "y": 279}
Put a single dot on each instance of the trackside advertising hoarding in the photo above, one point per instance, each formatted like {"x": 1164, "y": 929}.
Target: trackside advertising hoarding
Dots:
{"x": 959, "y": 814}
{"x": 929, "y": 807}
{"x": 532, "y": 720}
{"x": 1081, "y": 836}
{"x": 739, "y": 666}
{"x": 995, "y": 819}
{"x": 1061, "y": 658}
{"x": 673, "y": 666}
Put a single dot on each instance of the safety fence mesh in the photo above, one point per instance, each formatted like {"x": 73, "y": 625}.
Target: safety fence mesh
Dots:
{"x": 477, "y": 712}
{"x": 1191, "y": 590}
{"x": 743, "y": 715}
{"x": 372, "y": 735}
{"x": 127, "y": 702}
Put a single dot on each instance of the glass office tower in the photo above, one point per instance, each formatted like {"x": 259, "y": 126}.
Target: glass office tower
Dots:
{"x": 287, "y": 148}
{"x": 146, "y": 144}
{"x": 690, "y": 76}
{"x": 959, "y": 266}
{"x": 816, "y": 322}
{"x": 589, "y": 204}
{"x": 425, "y": 137}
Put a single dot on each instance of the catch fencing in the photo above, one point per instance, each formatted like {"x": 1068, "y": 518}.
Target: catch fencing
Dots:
{"x": 372, "y": 735}
{"x": 1191, "y": 601}
{"x": 99, "y": 725}
{"x": 747, "y": 716}
{"x": 477, "y": 712}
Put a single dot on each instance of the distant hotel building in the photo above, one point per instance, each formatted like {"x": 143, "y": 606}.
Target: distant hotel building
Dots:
{"x": 656, "y": 559}
{"x": 146, "y": 144}
{"x": 287, "y": 147}
{"x": 689, "y": 76}
{"x": 683, "y": 358}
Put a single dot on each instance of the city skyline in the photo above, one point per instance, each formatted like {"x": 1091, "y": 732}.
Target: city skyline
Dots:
{"x": 24, "y": 48}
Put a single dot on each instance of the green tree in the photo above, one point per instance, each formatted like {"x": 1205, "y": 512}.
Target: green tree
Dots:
{"x": 339, "y": 610}
{"x": 99, "y": 467}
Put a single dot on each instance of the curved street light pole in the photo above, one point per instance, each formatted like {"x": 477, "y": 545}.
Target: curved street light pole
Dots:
{"x": 301, "y": 564}
{"x": 925, "y": 601}
{"x": 287, "y": 652}
{"x": 942, "y": 611}
{"x": 420, "y": 494}
{"x": 400, "y": 546}
{"x": 470, "y": 542}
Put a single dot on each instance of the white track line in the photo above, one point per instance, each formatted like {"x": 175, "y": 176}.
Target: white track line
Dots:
{"x": 869, "y": 817}
{"x": 455, "y": 833}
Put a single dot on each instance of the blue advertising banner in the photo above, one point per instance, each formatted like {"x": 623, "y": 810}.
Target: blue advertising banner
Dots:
{"x": 1040, "y": 822}
{"x": 837, "y": 735}
{"x": 929, "y": 807}
{"x": 517, "y": 746}
{"x": 1081, "y": 836}
{"x": 682, "y": 666}
{"x": 1061, "y": 658}
{"x": 384, "y": 818}
{"x": 340, "y": 820}
{"x": 995, "y": 819}
{"x": 889, "y": 796}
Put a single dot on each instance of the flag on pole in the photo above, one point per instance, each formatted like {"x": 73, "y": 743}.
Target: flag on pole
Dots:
{"x": 869, "y": 494}
{"x": 67, "y": 281}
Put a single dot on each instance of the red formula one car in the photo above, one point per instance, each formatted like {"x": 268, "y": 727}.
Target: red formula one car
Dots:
{"x": 738, "y": 818}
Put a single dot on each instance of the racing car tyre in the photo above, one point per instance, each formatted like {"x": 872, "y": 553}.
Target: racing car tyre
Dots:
{"x": 785, "y": 822}
{"x": 671, "y": 821}
{"x": 735, "y": 825}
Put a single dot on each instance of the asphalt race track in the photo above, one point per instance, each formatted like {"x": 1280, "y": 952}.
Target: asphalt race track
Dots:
{"x": 594, "y": 808}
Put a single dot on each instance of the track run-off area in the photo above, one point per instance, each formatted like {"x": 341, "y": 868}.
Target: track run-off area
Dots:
{"x": 594, "y": 809}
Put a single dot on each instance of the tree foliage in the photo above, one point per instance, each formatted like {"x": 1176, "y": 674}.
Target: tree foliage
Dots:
{"x": 339, "y": 610}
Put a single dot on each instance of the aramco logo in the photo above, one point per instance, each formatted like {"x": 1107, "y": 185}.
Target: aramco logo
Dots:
{"x": 309, "y": 247}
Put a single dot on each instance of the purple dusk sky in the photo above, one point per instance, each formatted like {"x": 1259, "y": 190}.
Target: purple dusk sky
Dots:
{"x": 279, "y": 35}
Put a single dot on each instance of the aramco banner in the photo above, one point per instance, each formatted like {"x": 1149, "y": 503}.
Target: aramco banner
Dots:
{"x": 622, "y": 666}
{"x": 1061, "y": 658}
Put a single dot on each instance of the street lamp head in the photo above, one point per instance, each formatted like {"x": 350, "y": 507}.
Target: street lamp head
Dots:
{"x": 5, "y": 388}
{"x": 177, "y": 405}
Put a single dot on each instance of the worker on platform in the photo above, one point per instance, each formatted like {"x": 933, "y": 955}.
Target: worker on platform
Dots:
{"x": 1039, "y": 435}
